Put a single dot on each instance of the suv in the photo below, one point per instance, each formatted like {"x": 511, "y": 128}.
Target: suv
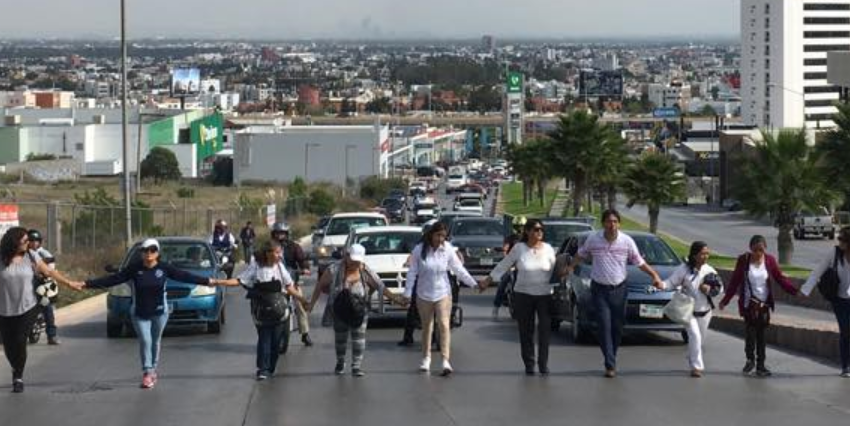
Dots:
{"x": 337, "y": 230}
{"x": 818, "y": 222}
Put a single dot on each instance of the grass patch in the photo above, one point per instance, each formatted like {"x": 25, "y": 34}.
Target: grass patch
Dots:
{"x": 512, "y": 201}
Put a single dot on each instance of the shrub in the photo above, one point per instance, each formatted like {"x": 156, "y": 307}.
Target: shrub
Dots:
{"x": 185, "y": 192}
{"x": 160, "y": 165}
{"x": 376, "y": 189}
{"x": 321, "y": 202}
{"x": 39, "y": 157}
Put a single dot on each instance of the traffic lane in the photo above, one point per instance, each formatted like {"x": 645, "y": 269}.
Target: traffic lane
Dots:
{"x": 446, "y": 201}
{"x": 728, "y": 233}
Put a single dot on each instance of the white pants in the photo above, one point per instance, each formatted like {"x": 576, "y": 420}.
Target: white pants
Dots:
{"x": 697, "y": 329}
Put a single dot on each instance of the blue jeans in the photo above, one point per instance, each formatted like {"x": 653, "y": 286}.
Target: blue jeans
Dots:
{"x": 149, "y": 332}
{"x": 50, "y": 321}
{"x": 499, "y": 300}
{"x": 247, "y": 252}
{"x": 268, "y": 343}
{"x": 610, "y": 304}
{"x": 842, "y": 313}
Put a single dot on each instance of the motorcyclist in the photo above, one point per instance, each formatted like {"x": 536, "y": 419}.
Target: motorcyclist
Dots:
{"x": 224, "y": 242}
{"x": 35, "y": 241}
{"x": 297, "y": 264}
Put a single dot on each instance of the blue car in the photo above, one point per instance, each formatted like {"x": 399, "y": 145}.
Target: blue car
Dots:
{"x": 189, "y": 304}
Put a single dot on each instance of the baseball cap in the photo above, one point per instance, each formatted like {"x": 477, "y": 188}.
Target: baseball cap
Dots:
{"x": 150, "y": 242}
{"x": 357, "y": 253}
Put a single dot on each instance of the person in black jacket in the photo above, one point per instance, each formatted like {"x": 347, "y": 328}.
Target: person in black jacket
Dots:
{"x": 149, "y": 308}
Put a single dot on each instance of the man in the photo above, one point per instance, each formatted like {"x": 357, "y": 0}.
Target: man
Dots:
{"x": 223, "y": 241}
{"x": 247, "y": 237}
{"x": 35, "y": 241}
{"x": 611, "y": 251}
{"x": 296, "y": 264}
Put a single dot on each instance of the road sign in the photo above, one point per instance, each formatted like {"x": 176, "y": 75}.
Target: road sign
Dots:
{"x": 8, "y": 217}
{"x": 271, "y": 214}
{"x": 514, "y": 82}
{"x": 666, "y": 112}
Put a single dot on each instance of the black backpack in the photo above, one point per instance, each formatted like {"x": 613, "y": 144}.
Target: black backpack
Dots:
{"x": 350, "y": 308}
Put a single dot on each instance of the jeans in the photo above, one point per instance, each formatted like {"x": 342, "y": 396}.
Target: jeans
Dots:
{"x": 499, "y": 300}
{"x": 247, "y": 252}
{"x": 525, "y": 307}
{"x": 50, "y": 321}
{"x": 268, "y": 343}
{"x": 342, "y": 332}
{"x": 14, "y": 332}
{"x": 149, "y": 332}
{"x": 442, "y": 310}
{"x": 841, "y": 307}
{"x": 610, "y": 304}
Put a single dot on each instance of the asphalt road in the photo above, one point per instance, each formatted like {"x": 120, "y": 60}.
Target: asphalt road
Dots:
{"x": 726, "y": 232}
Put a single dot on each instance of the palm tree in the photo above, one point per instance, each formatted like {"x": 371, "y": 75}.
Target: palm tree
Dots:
{"x": 834, "y": 151}
{"x": 577, "y": 144}
{"x": 780, "y": 179}
{"x": 653, "y": 180}
{"x": 530, "y": 162}
{"x": 614, "y": 161}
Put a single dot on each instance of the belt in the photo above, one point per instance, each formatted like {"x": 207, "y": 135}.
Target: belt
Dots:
{"x": 597, "y": 283}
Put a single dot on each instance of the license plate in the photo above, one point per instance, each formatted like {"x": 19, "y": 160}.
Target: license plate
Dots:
{"x": 651, "y": 311}
{"x": 486, "y": 261}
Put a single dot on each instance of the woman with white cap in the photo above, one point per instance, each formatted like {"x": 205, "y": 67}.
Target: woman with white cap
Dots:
{"x": 148, "y": 306}
{"x": 346, "y": 282}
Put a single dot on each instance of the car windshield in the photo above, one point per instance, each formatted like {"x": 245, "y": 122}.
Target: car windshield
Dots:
{"x": 426, "y": 206}
{"x": 183, "y": 255}
{"x": 555, "y": 234}
{"x": 470, "y": 203}
{"x": 653, "y": 250}
{"x": 389, "y": 243}
{"x": 456, "y": 177}
{"x": 344, "y": 225}
{"x": 477, "y": 228}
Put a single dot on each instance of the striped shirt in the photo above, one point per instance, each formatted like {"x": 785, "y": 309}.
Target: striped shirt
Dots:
{"x": 610, "y": 258}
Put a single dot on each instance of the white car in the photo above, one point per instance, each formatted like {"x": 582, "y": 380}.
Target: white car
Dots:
{"x": 424, "y": 209}
{"x": 338, "y": 229}
{"x": 387, "y": 252}
{"x": 469, "y": 205}
{"x": 455, "y": 182}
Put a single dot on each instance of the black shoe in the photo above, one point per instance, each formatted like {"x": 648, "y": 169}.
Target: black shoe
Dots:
{"x": 405, "y": 342}
{"x": 749, "y": 366}
{"x": 305, "y": 338}
{"x": 763, "y": 372}
{"x": 544, "y": 371}
{"x": 53, "y": 341}
{"x": 356, "y": 372}
{"x": 17, "y": 386}
{"x": 529, "y": 370}
{"x": 340, "y": 368}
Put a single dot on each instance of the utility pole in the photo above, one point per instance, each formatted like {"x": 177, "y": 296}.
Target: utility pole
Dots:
{"x": 128, "y": 213}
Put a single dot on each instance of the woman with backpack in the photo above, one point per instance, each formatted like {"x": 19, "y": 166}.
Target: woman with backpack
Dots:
{"x": 346, "y": 283}
{"x": 840, "y": 299}
{"x": 754, "y": 272}
{"x": 699, "y": 281}
{"x": 267, "y": 282}
{"x": 429, "y": 263}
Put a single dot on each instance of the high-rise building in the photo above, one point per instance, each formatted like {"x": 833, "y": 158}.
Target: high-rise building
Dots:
{"x": 488, "y": 43}
{"x": 784, "y": 44}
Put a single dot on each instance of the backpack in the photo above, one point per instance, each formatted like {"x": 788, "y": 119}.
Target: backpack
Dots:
{"x": 269, "y": 305}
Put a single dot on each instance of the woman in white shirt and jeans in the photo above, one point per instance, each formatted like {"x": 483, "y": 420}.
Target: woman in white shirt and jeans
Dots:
{"x": 700, "y": 281}
{"x": 535, "y": 261}
{"x": 430, "y": 263}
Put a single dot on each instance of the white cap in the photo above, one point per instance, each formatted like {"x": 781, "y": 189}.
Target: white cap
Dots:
{"x": 357, "y": 253}
{"x": 150, "y": 242}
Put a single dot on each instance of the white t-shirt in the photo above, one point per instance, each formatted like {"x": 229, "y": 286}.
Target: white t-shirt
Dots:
{"x": 255, "y": 273}
{"x": 534, "y": 268}
{"x": 758, "y": 277}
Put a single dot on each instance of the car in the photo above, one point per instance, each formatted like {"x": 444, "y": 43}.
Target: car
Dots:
{"x": 817, "y": 222}
{"x": 387, "y": 252}
{"x": 395, "y": 209}
{"x": 424, "y": 209}
{"x": 479, "y": 240}
{"x": 448, "y": 218}
{"x": 319, "y": 230}
{"x": 557, "y": 230}
{"x": 474, "y": 188}
{"x": 397, "y": 194}
{"x": 644, "y": 305}
{"x": 337, "y": 230}
{"x": 469, "y": 205}
{"x": 189, "y": 304}
{"x": 455, "y": 182}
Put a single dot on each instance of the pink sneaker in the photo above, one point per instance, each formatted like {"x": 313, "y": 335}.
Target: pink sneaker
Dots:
{"x": 148, "y": 380}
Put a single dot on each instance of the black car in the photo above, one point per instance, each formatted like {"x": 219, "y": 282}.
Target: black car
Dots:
{"x": 480, "y": 241}
{"x": 398, "y": 194}
{"x": 557, "y": 230}
{"x": 395, "y": 209}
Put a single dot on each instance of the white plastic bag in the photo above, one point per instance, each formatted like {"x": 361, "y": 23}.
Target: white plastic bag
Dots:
{"x": 680, "y": 309}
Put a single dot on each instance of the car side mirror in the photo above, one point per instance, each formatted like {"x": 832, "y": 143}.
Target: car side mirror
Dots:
{"x": 110, "y": 269}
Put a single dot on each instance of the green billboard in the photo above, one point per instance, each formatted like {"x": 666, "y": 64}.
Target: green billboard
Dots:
{"x": 514, "y": 82}
{"x": 208, "y": 134}
{"x": 161, "y": 133}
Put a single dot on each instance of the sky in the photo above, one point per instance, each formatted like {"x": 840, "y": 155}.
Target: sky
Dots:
{"x": 372, "y": 19}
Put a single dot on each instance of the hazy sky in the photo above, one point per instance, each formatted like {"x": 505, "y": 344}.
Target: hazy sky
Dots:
{"x": 371, "y": 18}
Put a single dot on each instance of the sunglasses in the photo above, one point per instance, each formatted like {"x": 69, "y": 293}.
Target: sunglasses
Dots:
{"x": 150, "y": 250}
{"x": 537, "y": 229}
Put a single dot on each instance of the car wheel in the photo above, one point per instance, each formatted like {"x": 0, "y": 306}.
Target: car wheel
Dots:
{"x": 114, "y": 329}
{"x": 214, "y": 327}
{"x": 578, "y": 332}
{"x": 685, "y": 337}
{"x": 831, "y": 235}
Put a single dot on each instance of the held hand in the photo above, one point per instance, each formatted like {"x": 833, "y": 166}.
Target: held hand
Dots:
{"x": 306, "y": 272}
{"x": 705, "y": 288}
{"x": 77, "y": 285}
{"x": 722, "y": 306}
{"x": 658, "y": 284}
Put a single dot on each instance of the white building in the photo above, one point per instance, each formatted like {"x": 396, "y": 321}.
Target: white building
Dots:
{"x": 783, "y": 60}
{"x": 675, "y": 94}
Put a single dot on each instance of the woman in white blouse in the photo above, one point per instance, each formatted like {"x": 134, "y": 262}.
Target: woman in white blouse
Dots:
{"x": 430, "y": 263}
{"x": 535, "y": 261}
{"x": 700, "y": 281}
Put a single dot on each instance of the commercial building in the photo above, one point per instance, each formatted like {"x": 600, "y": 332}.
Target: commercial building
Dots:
{"x": 784, "y": 60}
{"x": 676, "y": 94}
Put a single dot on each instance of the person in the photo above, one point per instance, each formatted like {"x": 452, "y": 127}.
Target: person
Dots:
{"x": 430, "y": 261}
{"x": 697, "y": 279}
{"x": 352, "y": 274}
{"x": 750, "y": 282}
{"x": 268, "y": 269}
{"x": 611, "y": 251}
{"x": 222, "y": 241}
{"x": 247, "y": 237}
{"x": 148, "y": 307}
{"x": 505, "y": 280}
{"x": 841, "y": 305}
{"x": 534, "y": 260}
{"x": 48, "y": 311}
{"x": 18, "y": 305}
{"x": 296, "y": 264}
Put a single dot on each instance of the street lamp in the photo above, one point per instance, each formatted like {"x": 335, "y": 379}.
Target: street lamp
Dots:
{"x": 307, "y": 147}
{"x": 345, "y": 185}
{"x": 128, "y": 213}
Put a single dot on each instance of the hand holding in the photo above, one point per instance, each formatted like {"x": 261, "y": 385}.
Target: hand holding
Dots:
{"x": 77, "y": 285}
{"x": 722, "y": 306}
{"x": 705, "y": 288}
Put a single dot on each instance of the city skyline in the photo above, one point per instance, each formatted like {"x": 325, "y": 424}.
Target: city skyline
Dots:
{"x": 376, "y": 19}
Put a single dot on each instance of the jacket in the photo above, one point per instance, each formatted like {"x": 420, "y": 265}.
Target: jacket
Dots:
{"x": 738, "y": 283}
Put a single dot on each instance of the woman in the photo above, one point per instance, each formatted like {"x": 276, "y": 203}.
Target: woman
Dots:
{"x": 700, "y": 281}
{"x": 534, "y": 260}
{"x": 430, "y": 261}
{"x": 148, "y": 305}
{"x": 841, "y": 305}
{"x": 750, "y": 281}
{"x": 18, "y": 305}
{"x": 349, "y": 274}
{"x": 267, "y": 273}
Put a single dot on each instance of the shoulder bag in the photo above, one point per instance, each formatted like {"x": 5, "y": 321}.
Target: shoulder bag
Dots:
{"x": 46, "y": 290}
{"x": 680, "y": 308}
{"x": 828, "y": 282}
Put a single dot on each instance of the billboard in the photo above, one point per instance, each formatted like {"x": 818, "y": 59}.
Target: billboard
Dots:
{"x": 185, "y": 81}
{"x": 601, "y": 83}
{"x": 671, "y": 112}
{"x": 208, "y": 134}
{"x": 514, "y": 82}
{"x": 8, "y": 217}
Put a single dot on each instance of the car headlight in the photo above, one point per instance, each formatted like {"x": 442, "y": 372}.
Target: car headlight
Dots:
{"x": 122, "y": 290}
{"x": 324, "y": 251}
{"x": 203, "y": 290}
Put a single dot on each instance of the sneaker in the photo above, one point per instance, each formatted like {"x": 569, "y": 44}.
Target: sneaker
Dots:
{"x": 425, "y": 365}
{"x": 154, "y": 377}
{"x": 496, "y": 313}
{"x": 262, "y": 375}
{"x": 53, "y": 341}
{"x": 544, "y": 371}
{"x": 148, "y": 381}
{"x": 305, "y": 338}
{"x": 447, "y": 368}
{"x": 357, "y": 372}
{"x": 749, "y": 366}
{"x": 696, "y": 373}
{"x": 610, "y": 373}
{"x": 529, "y": 371}
{"x": 18, "y": 386}
{"x": 340, "y": 368}
{"x": 845, "y": 373}
{"x": 763, "y": 372}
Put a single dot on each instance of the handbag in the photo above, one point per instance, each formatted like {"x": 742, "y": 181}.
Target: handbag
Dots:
{"x": 45, "y": 289}
{"x": 828, "y": 282}
{"x": 680, "y": 308}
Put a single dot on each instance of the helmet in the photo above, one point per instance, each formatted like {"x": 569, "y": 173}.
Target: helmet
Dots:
{"x": 220, "y": 223}
{"x": 34, "y": 235}
{"x": 519, "y": 221}
{"x": 280, "y": 227}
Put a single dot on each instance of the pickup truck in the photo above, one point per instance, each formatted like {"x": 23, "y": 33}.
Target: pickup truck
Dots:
{"x": 817, "y": 222}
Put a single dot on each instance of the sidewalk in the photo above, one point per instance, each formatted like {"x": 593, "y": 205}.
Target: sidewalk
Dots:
{"x": 561, "y": 202}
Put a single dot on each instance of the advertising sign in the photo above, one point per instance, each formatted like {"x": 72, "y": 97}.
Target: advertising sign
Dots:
{"x": 8, "y": 217}
{"x": 185, "y": 81}
{"x": 514, "y": 82}
{"x": 271, "y": 214}
{"x": 208, "y": 134}
{"x": 601, "y": 83}
{"x": 671, "y": 112}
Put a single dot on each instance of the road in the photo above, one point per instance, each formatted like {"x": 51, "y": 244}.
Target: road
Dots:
{"x": 726, "y": 232}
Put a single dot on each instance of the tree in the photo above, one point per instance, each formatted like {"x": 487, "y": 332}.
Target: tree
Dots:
{"x": 782, "y": 178}
{"x": 380, "y": 105}
{"x": 653, "y": 180}
{"x": 613, "y": 162}
{"x": 321, "y": 202}
{"x": 160, "y": 165}
{"x": 834, "y": 152}
{"x": 707, "y": 111}
{"x": 484, "y": 99}
{"x": 530, "y": 161}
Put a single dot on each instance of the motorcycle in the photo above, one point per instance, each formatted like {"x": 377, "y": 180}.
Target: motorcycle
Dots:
{"x": 37, "y": 329}
{"x": 225, "y": 259}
